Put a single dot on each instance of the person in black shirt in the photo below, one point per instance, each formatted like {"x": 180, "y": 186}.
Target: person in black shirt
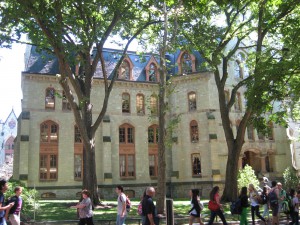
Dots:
{"x": 244, "y": 204}
{"x": 148, "y": 208}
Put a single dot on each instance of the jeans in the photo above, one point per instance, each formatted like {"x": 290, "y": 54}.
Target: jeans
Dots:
{"x": 3, "y": 221}
{"x": 257, "y": 213}
{"x": 244, "y": 220}
{"x": 120, "y": 220}
{"x": 266, "y": 211}
{"x": 219, "y": 213}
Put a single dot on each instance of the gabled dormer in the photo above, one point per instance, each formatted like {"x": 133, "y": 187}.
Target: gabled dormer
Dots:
{"x": 186, "y": 62}
{"x": 152, "y": 73}
{"x": 125, "y": 70}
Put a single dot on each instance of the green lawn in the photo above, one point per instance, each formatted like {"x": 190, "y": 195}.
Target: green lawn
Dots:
{"x": 50, "y": 210}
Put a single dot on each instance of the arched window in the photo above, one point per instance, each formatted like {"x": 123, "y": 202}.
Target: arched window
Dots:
{"x": 65, "y": 104}
{"x": 152, "y": 70}
{"x": 153, "y": 105}
{"x": 192, "y": 101}
{"x": 186, "y": 63}
{"x": 140, "y": 104}
{"x": 125, "y": 70}
{"x": 194, "y": 131}
{"x": 125, "y": 103}
{"x": 48, "y": 151}
{"x": 126, "y": 151}
{"x": 153, "y": 150}
{"x": 50, "y": 98}
{"x": 196, "y": 164}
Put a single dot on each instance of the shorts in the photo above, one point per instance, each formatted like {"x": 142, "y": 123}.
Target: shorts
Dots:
{"x": 275, "y": 210}
{"x": 195, "y": 215}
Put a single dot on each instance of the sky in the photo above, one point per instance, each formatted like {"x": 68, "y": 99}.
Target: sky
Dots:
{"x": 11, "y": 66}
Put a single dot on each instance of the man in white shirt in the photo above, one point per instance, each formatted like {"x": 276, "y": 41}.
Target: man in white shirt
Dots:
{"x": 121, "y": 208}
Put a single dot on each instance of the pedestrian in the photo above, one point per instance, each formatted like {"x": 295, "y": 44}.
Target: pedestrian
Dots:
{"x": 195, "y": 211}
{"x": 254, "y": 196}
{"x": 15, "y": 212}
{"x": 265, "y": 200}
{"x": 121, "y": 208}
{"x": 149, "y": 209}
{"x": 140, "y": 208}
{"x": 85, "y": 209}
{"x": 3, "y": 207}
{"x": 244, "y": 204}
{"x": 273, "y": 203}
{"x": 215, "y": 199}
{"x": 282, "y": 196}
{"x": 295, "y": 207}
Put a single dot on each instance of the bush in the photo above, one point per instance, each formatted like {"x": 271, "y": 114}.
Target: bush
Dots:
{"x": 29, "y": 197}
{"x": 291, "y": 180}
{"x": 247, "y": 176}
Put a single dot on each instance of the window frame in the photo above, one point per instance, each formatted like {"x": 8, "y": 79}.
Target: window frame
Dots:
{"x": 140, "y": 104}
{"x": 192, "y": 101}
{"x": 124, "y": 110}
{"x": 194, "y": 132}
{"x": 50, "y": 98}
{"x": 193, "y": 165}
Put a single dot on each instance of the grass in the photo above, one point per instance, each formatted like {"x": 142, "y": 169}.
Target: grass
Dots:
{"x": 53, "y": 210}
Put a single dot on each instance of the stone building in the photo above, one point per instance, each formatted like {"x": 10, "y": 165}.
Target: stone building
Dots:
{"x": 8, "y": 130}
{"x": 49, "y": 147}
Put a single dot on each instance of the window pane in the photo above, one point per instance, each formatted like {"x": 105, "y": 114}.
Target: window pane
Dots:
{"x": 194, "y": 132}
{"x": 125, "y": 71}
{"x": 53, "y": 166}
{"x": 131, "y": 172}
{"x": 44, "y": 132}
{"x": 43, "y": 167}
{"x": 150, "y": 135}
{"x": 152, "y": 73}
{"x": 65, "y": 104}
{"x": 122, "y": 135}
{"x": 50, "y": 99}
{"x": 130, "y": 135}
{"x": 196, "y": 164}
{"x": 122, "y": 165}
{"x": 186, "y": 63}
{"x": 53, "y": 136}
{"x": 153, "y": 105}
{"x": 78, "y": 166}
{"x": 126, "y": 103}
{"x": 140, "y": 104}
{"x": 77, "y": 135}
{"x": 192, "y": 102}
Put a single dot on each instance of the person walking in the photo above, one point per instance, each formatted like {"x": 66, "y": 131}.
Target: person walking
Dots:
{"x": 244, "y": 204}
{"x": 282, "y": 197}
{"x": 273, "y": 202}
{"x": 215, "y": 200}
{"x": 195, "y": 211}
{"x": 265, "y": 200}
{"x": 121, "y": 208}
{"x": 3, "y": 207}
{"x": 295, "y": 207}
{"x": 85, "y": 209}
{"x": 149, "y": 209}
{"x": 254, "y": 196}
{"x": 15, "y": 212}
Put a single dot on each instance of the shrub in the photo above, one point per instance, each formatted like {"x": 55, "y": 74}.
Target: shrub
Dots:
{"x": 291, "y": 180}
{"x": 29, "y": 197}
{"x": 247, "y": 176}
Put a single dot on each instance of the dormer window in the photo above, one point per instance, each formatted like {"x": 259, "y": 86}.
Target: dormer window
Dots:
{"x": 186, "y": 63}
{"x": 125, "y": 70}
{"x": 50, "y": 98}
{"x": 152, "y": 70}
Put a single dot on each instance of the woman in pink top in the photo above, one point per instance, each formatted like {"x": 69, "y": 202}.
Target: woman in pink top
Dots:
{"x": 215, "y": 197}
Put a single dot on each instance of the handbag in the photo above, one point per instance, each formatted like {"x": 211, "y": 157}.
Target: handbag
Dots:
{"x": 213, "y": 206}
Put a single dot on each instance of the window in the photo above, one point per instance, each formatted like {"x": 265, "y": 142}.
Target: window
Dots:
{"x": 196, "y": 165}
{"x": 153, "y": 165}
{"x": 125, "y": 70}
{"x": 125, "y": 103}
{"x": 78, "y": 166}
{"x": 238, "y": 102}
{"x": 49, "y": 132}
{"x": 153, "y": 150}
{"x": 241, "y": 69}
{"x": 65, "y": 104}
{"x": 186, "y": 63}
{"x": 194, "y": 131}
{"x": 153, "y": 134}
{"x": 50, "y": 98}
{"x": 77, "y": 135}
{"x": 153, "y": 105}
{"x": 140, "y": 104}
{"x": 78, "y": 154}
{"x": 250, "y": 132}
{"x": 271, "y": 131}
{"x": 127, "y": 168}
{"x": 9, "y": 149}
{"x": 192, "y": 101}
{"x": 153, "y": 73}
{"x": 126, "y": 134}
{"x": 48, "y": 151}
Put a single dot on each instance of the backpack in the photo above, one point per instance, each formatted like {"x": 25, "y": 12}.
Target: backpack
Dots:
{"x": 273, "y": 200}
{"x": 14, "y": 199}
{"x": 140, "y": 209}
{"x": 236, "y": 207}
{"x": 128, "y": 203}
{"x": 264, "y": 198}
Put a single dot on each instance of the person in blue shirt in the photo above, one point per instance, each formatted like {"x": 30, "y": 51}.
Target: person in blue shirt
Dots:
{"x": 3, "y": 207}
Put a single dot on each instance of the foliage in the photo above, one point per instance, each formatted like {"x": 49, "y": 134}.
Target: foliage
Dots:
{"x": 291, "y": 179}
{"x": 29, "y": 197}
{"x": 247, "y": 176}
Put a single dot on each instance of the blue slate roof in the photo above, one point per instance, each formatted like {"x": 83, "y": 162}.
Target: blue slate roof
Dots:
{"x": 41, "y": 62}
